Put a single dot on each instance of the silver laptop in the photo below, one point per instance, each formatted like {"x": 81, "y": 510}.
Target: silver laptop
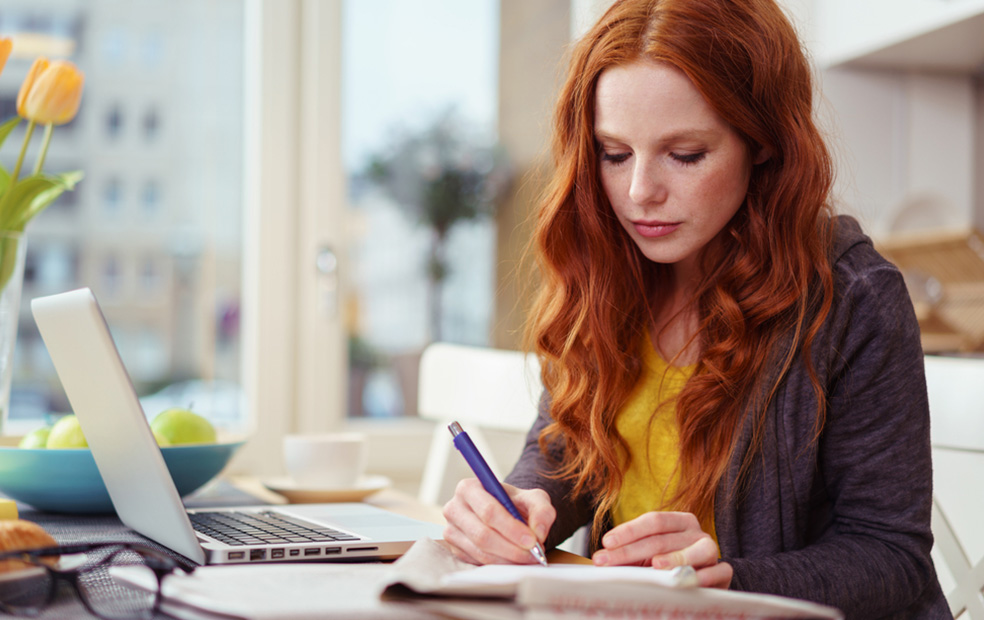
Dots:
{"x": 100, "y": 391}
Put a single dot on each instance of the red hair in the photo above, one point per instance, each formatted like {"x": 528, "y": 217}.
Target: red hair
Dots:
{"x": 767, "y": 283}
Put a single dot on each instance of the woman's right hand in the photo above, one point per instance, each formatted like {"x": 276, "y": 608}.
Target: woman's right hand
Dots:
{"x": 481, "y": 531}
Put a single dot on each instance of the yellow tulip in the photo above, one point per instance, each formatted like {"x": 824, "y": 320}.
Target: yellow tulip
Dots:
{"x": 5, "y": 46}
{"x": 40, "y": 64}
{"x": 51, "y": 92}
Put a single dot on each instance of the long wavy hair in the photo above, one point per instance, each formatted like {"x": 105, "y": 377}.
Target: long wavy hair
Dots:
{"x": 767, "y": 283}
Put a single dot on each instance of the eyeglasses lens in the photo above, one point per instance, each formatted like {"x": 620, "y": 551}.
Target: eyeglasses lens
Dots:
{"x": 24, "y": 587}
{"x": 127, "y": 591}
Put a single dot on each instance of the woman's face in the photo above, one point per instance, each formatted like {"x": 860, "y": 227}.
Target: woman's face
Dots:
{"x": 674, "y": 171}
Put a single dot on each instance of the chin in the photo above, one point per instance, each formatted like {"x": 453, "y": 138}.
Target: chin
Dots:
{"x": 665, "y": 255}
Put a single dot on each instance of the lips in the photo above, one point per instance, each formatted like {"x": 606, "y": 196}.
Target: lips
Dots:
{"x": 654, "y": 229}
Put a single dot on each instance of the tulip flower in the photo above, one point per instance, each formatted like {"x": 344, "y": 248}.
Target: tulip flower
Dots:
{"x": 51, "y": 93}
{"x": 5, "y": 46}
{"x": 49, "y": 96}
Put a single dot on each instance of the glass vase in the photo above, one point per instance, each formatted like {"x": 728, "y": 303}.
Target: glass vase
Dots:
{"x": 13, "y": 246}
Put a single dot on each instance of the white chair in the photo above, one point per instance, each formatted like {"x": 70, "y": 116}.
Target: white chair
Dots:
{"x": 491, "y": 392}
{"x": 956, "y": 404}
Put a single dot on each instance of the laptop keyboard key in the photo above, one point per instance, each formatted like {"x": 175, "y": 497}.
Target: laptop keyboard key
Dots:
{"x": 245, "y": 528}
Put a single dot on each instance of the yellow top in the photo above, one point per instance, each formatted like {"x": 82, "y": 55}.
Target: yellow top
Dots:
{"x": 652, "y": 477}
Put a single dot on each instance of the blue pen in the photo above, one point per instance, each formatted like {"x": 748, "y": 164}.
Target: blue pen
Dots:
{"x": 475, "y": 460}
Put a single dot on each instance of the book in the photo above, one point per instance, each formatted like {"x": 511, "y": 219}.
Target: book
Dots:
{"x": 574, "y": 591}
{"x": 429, "y": 582}
{"x": 549, "y": 598}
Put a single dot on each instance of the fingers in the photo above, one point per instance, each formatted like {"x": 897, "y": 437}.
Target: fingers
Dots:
{"x": 539, "y": 511}
{"x": 478, "y": 551}
{"x": 642, "y": 551}
{"x": 659, "y": 539}
{"x": 717, "y": 576}
{"x": 481, "y": 531}
{"x": 704, "y": 552}
{"x": 647, "y": 525}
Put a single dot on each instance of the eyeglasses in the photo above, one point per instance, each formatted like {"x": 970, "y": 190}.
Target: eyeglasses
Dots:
{"x": 29, "y": 579}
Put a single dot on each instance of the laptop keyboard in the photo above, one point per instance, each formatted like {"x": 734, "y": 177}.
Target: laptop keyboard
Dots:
{"x": 262, "y": 528}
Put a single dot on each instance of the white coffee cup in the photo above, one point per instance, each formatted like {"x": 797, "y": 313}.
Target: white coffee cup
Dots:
{"x": 326, "y": 460}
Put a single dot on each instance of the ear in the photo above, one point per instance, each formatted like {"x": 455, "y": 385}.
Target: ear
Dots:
{"x": 763, "y": 155}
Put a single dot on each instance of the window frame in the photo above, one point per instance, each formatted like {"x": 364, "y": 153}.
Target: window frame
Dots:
{"x": 293, "y": 369}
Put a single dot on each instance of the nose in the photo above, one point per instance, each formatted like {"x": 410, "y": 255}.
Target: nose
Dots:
{"x": 646, "y": 186}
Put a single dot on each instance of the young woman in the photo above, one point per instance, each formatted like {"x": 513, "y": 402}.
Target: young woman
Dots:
{"x": 734, "y": 377}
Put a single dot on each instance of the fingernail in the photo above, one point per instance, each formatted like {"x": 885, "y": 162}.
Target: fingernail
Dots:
{"x": 601, "y": 558}
{"x": 609, "y": 541}
{"x": 541, "y": 532}
{"x": 661, "y": 563}
{"x": 527, "y": 541}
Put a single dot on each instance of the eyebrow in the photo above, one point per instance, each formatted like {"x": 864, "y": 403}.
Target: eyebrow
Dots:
{"x": 683, "y": 134}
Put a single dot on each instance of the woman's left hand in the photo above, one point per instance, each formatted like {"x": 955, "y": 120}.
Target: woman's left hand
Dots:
{"x": 665, "y": 540}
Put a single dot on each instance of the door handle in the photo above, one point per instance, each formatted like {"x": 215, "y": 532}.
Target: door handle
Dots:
{"x": 326, "y": 263}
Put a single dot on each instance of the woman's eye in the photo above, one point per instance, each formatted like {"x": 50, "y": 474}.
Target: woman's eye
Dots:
{"x": 614, "y": 158}
{"x": 688, "y": 158}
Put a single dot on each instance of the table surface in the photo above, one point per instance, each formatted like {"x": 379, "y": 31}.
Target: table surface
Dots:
{"x": 237, "y": 491}
{"x": 232, "y": 491}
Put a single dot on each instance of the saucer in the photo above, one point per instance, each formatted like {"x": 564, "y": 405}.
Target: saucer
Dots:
{"x": 302, "y": 494}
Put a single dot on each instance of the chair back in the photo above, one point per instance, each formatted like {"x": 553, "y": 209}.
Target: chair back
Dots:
{"x": 956, "y": 405}
{"x": 491, "y": 392}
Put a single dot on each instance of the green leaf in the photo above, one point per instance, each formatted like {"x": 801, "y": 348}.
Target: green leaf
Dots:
{"x": 8, "y": 127}
{"x": 23, "y": 195}
{"x": 8, "y": 259}
{"x": 61, "y": 183}
{"x": 4, "y": 180}
{"x": 69, "y": 179}
{"x": 31, "y": 195}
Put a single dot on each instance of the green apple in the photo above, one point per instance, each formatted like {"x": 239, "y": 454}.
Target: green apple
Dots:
{"x": 66, "y": 433}
{"x": 36, "y": 439}
{"x": 160, "y": 439}
{"x": 181, "y": 426}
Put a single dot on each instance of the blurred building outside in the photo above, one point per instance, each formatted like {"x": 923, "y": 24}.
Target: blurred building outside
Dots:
{"x": 155, "y": 226}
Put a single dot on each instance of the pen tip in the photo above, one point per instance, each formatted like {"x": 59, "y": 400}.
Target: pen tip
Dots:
{"x": 539, "y": 554}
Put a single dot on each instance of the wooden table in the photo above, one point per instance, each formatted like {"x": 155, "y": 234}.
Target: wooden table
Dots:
{"x": 393, "y": 500}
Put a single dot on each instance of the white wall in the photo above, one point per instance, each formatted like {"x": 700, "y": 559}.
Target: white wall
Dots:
{"x": 904, "y": 136}
{"x": 904, "y": 144}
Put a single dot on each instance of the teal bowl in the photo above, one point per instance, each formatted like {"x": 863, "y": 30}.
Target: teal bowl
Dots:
{"x": 68, "y": 480}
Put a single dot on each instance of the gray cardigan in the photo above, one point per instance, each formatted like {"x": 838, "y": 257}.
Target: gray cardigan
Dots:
{"x": 844, "y": 521}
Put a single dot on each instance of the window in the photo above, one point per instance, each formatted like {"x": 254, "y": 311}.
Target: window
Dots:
{"x": 114, "y": 47}
{"x": 150, "y": 277}
{"x": 55, "y": 266}
{"x": 114, "y": 122}
{"x": 145, "y": 62}
{"x": 405, "y": 100}
{"x": 150, "y": 198}
{"x": 152, "y": 50}
{"x": 112, "y": 198}
{"x": 112, "y": 280}
{"x": 151, "y": 123}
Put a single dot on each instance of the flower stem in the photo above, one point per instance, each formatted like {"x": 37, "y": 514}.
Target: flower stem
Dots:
{"x": 20, "y": 158}
{"x": 5, "y": 199}
{"x": 44, "y": 147}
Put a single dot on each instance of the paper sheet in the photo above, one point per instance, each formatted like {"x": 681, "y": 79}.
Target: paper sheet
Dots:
{"x": 281, "y": 591}
{"x": 428, "y": 581}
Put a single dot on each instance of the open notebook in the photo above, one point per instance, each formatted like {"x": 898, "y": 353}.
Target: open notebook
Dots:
{"x": 99, "y": 389}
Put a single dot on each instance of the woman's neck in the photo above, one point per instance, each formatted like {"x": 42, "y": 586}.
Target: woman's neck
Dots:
{"x": 675, "y": 324}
